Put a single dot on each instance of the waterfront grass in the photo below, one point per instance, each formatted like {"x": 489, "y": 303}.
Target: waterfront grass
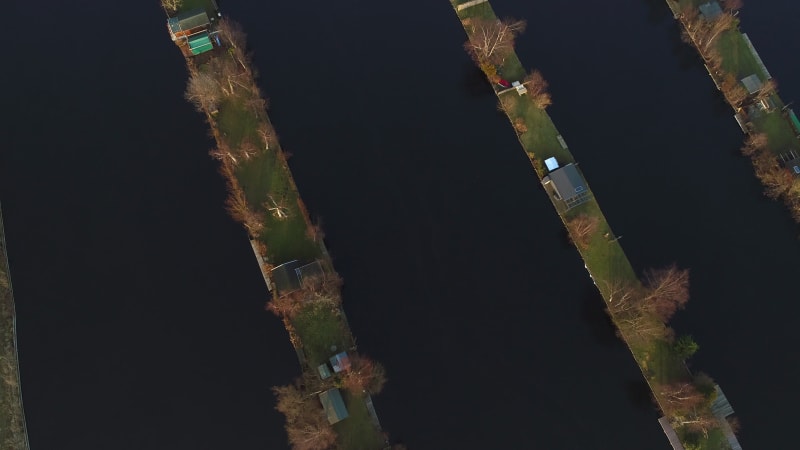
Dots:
{"x": 357, "y": 432}
{"x": 266, "y": 182}
{"x": 603, "y": 256}
{"x": 736, "y": 56}
{"x": 780, "y": 133}
{"x": 319, "y": 327}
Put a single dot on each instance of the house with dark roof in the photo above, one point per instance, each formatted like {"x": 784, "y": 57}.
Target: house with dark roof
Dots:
{"x": 333, "y": 404}
{"x": 567, "y": 185}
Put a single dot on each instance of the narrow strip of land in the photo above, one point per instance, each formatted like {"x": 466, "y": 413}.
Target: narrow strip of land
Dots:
{"x": 631, "y": 303}
{"x": 13, "y": 433}
{"x": 330, "y": 404}
{"x": 732, "y": 62}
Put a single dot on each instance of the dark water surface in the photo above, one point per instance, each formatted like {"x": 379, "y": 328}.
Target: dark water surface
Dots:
{"x": 140, "y": 305}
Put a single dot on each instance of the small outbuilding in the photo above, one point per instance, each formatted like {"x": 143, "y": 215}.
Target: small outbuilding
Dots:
{"x": 752, "y": 83}
{"x": 340, "y": 362}
{"x": 551, "y": 163}
{"x": 568, "y": 185}
{"x": 333, "y": 404}
{"x": 324, "y": 371}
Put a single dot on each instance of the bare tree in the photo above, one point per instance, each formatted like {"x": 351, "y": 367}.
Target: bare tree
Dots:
{"x": 777, "y": 180}
{"x": 305, "y": 421}
{"x": 171, "y": 6}
{"x": 680, "y": 397}
{"x": 364, "y": 375}
{"x": 537, "y": 90}
{"x": 755, "y": 143}
{"x": 233, "y": 34}
{"x": 667, "y": 290}
{"x": 717, "y": 26}
{"x": 241, "y": 212}
{"x": 733, "y": 91}
{"x": 203, "y": 91}
{"x": 492, "y": 40}
{"x": 582, "y": 228}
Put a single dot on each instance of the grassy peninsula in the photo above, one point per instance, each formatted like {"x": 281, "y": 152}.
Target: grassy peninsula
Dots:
{"x": 329, "y": 405}
{"x": 13, "y": 434}
{"x": 640, "y": 307}
{"x": 737, "y": 70}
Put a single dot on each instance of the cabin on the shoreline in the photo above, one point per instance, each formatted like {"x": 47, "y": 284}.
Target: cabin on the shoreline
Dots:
{"x": 333, "y": 405}
{"x": 567, "y": 183}
{"x": 193, "y": 31}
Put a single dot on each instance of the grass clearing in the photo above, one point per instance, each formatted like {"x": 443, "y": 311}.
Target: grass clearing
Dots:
{"x": 320, "y": 327}
{"x": 357, "y": 432}
{"x": 736, "y": 55}
{"x": 780, "y": 132}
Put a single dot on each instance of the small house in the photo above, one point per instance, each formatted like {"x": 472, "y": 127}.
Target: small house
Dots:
{"x": 752, "y": 83}
{"x": 568, "y": 185}
{"x": 340, "y": 362}
{"x": 333, "y": 404}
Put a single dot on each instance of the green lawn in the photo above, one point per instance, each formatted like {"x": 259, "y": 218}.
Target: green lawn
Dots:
{"x": 265, "y": 178}
{"x": 663, "y": 365}
{"x": 780, "y": 132}
{"x": 736, "y": 55}
{"x": 357, "y": 431}
{"x": 188, "y": 5}
{"x": 320, "y": 327}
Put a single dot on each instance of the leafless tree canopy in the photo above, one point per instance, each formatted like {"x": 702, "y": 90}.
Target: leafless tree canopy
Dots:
{"x": 306, "y": 425}
{"x": 491, "y": 41}
{"x": 582, "y": 228}
{"x": 667, "y": 290}
{"x": 364, "y": 375}
{"x": 733, "y": 90}
{"x": 170, "y": 5}
{"x": 755, "y": 143}
{"x": 203, "y": 91}
{"x": 537, "y": 89}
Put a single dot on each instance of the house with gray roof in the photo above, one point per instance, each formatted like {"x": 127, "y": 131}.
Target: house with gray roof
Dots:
{"x": 568, "y": 185}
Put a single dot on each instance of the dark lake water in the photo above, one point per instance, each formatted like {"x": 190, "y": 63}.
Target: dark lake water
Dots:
{"x": 140, "y": 306}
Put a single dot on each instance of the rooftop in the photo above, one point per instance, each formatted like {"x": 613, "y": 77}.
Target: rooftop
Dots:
{"x": 333, "y": 404}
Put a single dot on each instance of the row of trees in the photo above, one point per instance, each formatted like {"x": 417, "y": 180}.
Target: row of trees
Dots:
{"x": 778, "y": 180}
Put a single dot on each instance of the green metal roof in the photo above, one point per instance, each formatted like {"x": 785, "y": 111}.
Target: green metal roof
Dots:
{"x": 795, "y": 122}
{"x": 333, "y": 404}
{"x": 200, "y": 43}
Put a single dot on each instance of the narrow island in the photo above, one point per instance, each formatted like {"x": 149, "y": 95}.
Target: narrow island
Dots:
{"x": 13, "y": 433}
{"x": 330, "y": 404}
{"x": 772, "y": 129}
{"x": 696, "y": 414}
